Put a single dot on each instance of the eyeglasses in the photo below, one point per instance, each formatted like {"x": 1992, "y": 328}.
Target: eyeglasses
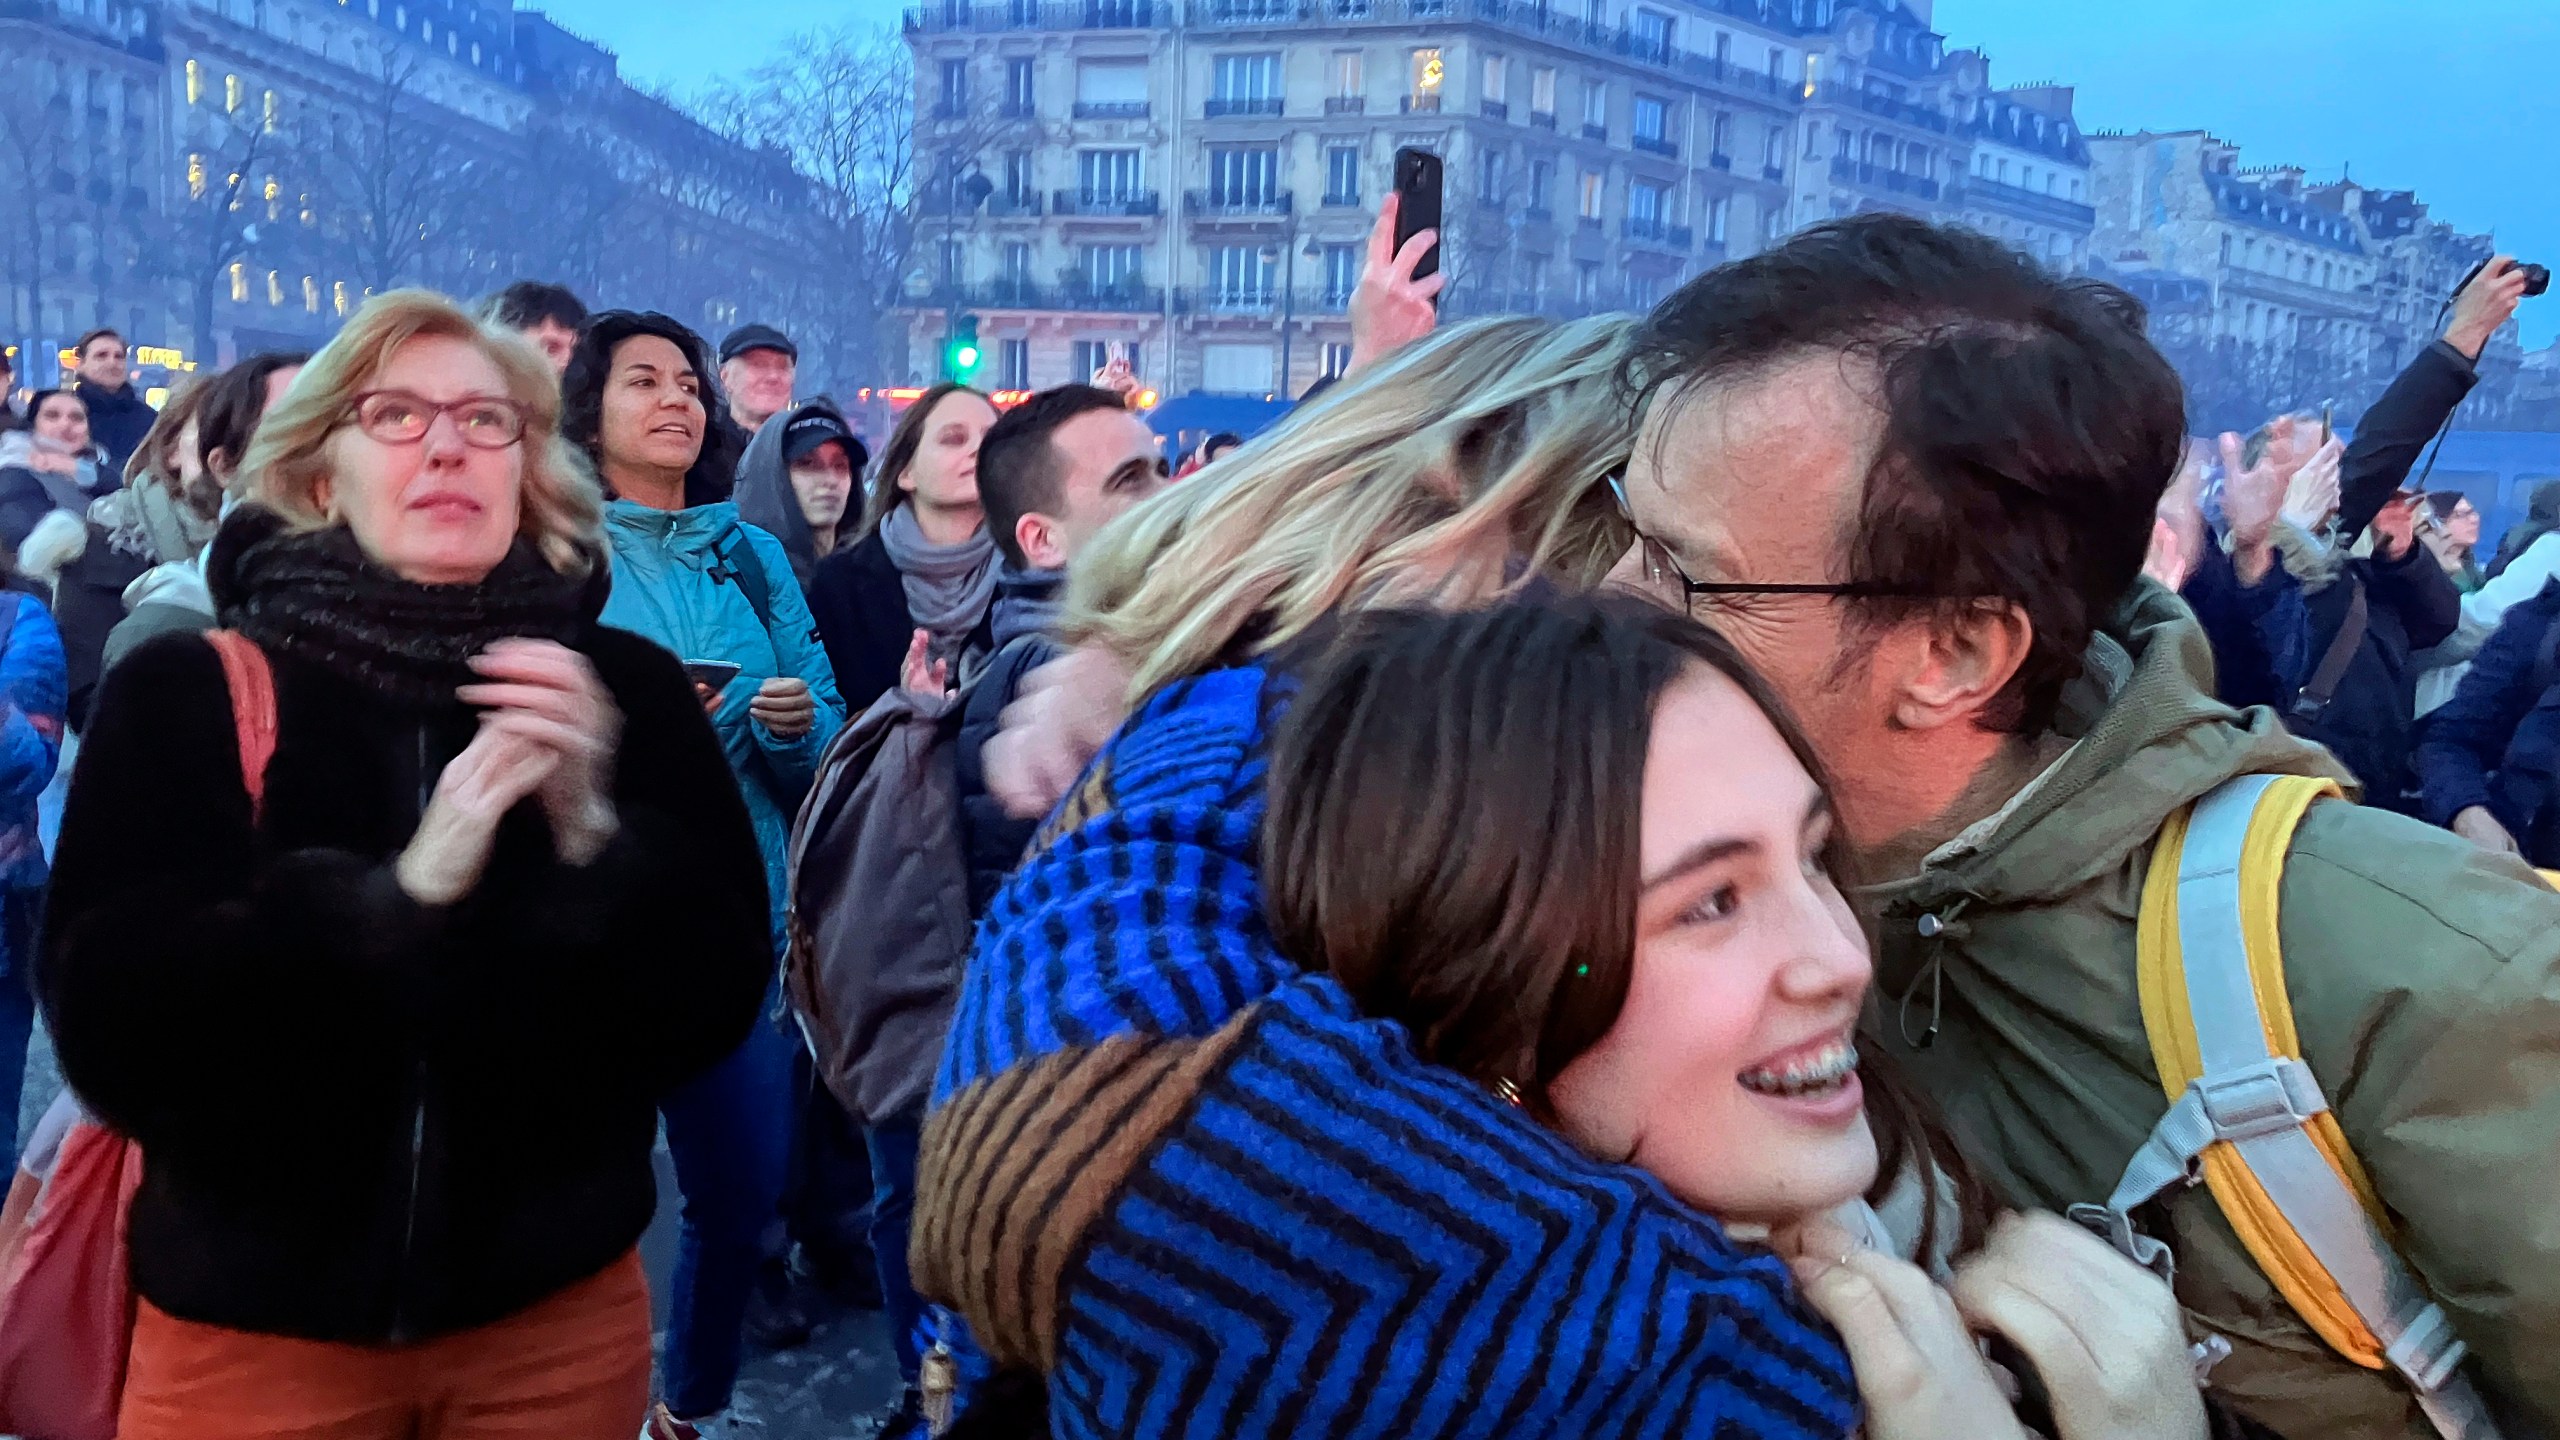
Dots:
{"x": 1661, "y": 568}
{"x": 396, "y": 417}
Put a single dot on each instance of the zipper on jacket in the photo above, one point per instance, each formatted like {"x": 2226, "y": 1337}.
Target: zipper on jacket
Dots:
{"x": 417, "y": 1121}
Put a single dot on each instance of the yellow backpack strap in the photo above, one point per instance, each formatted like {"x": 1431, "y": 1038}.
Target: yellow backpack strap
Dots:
{"x": 2248, "y": 1117}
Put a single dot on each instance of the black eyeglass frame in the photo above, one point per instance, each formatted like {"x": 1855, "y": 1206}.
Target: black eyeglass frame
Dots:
{"x": 1691, "y": 589}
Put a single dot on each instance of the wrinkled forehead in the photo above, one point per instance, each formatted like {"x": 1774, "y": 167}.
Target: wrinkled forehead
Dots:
{"x": 1758, "y": 475}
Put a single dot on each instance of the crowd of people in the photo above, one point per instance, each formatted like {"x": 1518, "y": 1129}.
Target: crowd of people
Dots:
{"x": 1686, "y": 873}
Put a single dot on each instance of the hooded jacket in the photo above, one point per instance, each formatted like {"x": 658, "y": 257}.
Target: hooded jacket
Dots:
{"x": 119, "y": 419}
{"x": 370, "y": 1120}
{"x": 664, "y": 588}
{"x": 765, "y": 498}
{"x": 2425, "y": 980}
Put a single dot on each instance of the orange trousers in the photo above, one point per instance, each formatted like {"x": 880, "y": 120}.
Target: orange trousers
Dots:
{"x": 572, "y": 1367}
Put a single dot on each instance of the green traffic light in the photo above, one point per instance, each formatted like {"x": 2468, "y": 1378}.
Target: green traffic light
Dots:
{"x": 967, "y": 355}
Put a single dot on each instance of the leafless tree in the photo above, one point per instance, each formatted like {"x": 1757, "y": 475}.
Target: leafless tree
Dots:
{"x": 840, "y": 103}
{"x": 220, "y": 216}
{"x": 407, "y": 186}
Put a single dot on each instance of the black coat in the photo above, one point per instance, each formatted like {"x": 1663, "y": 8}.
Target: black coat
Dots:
{"x": 118, "y": 421}
{"x": 88, "y": 604}
{"x": 860, "y": 605}
{"x": 2370, "y": 724}
{"x": 365, "y": 1120}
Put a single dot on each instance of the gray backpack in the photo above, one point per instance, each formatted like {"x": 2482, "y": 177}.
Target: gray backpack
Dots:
{"x": 879, "y": 908}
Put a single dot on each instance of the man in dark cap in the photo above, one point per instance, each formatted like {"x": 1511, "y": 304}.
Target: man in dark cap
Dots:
{"x": 758, "y": 365}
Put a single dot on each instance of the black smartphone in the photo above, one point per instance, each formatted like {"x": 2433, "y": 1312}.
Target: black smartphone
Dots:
{"x": 2328, "y": 418}
{"x": 1418, "y": 204}
{"x": 712, "y": 675}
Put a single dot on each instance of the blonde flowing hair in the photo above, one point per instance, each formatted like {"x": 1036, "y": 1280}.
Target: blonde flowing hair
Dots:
{"x": 561, "y": 509}
{"x": 1454, "y": 470}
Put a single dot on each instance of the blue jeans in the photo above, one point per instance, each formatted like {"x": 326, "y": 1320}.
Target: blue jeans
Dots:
{"x": 729, "y": 1130}
{"x": 893, "y": 1207}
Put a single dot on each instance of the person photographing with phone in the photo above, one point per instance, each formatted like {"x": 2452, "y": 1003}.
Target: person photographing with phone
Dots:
{"x": 719, "y": 594}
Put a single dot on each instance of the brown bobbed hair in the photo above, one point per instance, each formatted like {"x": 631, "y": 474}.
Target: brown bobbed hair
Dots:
{"x": 562, "y": 511}
{"x": 157, "y": 455}
{"x": 905, "y": 439}
{"x": 1456, "y": 804}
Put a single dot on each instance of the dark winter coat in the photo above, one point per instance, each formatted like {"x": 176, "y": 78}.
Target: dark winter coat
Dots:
{"x": 367, "y": 1120}
{"x": 992, "y": 840}
{"x": 2496, "y": 743}
{"x": 860, "y": 604}
{"x": 2259, "y": 633}
{"x": 118, "y": 420}
{"x": 2410, "y": 604}
{"x": 88, "y": 603}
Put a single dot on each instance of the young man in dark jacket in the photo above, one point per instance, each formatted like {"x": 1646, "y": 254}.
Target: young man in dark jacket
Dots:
{"x": 118, "y": 418}
{"x": 2489, "y": 760}
{"x": 1051, "y": 473}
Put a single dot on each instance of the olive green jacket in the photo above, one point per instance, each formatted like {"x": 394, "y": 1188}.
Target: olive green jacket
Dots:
{"x": 2425, "y": 976}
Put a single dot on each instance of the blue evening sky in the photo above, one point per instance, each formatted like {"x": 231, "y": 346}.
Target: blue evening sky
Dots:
{"x": 2453, "y": 101}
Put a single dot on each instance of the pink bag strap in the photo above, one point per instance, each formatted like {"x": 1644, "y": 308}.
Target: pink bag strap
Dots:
{"x": 253, "y": 707}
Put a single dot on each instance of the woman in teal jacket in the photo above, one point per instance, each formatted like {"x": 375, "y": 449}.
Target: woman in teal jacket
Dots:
{"x": 693, "y": 577}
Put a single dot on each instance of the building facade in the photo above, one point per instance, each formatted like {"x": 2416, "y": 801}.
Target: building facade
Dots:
{"x": 1192, "y": 181}
{"x": 2284, "y": 292}
{"x": 214, "y": 177}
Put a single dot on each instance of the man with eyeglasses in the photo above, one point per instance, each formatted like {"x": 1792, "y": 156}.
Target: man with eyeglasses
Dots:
{"x": 1913, "y": 477}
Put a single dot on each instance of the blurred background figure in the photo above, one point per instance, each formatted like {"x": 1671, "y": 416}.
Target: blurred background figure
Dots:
{"x": 550, "y": 316}
{"x": 118, "y": 418}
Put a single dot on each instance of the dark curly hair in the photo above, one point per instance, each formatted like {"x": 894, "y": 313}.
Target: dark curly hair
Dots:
{"x": 715, "y": 469}
{"x": 2029, "y": 425}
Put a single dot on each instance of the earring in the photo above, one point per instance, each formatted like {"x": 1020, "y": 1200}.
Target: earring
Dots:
{"x": 1508, "y": 1090}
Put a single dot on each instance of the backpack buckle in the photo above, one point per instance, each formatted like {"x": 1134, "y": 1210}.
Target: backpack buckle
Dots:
{"x": 2267, "y": 1098}
{"x": 2116, "y": 1228}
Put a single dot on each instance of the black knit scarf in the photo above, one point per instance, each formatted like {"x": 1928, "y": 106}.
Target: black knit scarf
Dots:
{"x": 313, "y": 595}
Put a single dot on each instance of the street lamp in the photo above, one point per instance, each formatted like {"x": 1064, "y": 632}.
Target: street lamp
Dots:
{"x": 1289, "y": 296}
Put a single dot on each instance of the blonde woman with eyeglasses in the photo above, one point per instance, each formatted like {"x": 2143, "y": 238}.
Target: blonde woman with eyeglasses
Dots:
{"x": 389, "y": 1012}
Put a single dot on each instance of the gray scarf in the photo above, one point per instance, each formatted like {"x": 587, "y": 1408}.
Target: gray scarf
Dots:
{"x": 1027, "y": 602}
{"x": 145, "y": 521}
{"x": 948, "y": 586}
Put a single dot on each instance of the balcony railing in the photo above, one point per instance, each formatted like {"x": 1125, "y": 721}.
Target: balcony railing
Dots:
{"x": 1641, "y": 231}
{"x": 1777, "y": 173}
{"x": 1595, "y": 132}
{"x": 1883, "y": 105}
{"x": 1542, "y": 119}
{"x": 1882, "y": 177}
{"x": 1422, "y": 104}
{"x": 1113, "y": 110}
{"x": 1025, "y": 206}
{"x": 1105, "y": 202}
{"x": 2018, "y": 200}
{"x": 1233, "y": 109}
{"x": 1269, "y": 301}
{"x": 1720, "y": 160}
{"x": 1341, "y": 199}
{"x": 950, "y": 109}
{"x": 1228, "y": 204}
{"x": 1346, "y": 105}
{"x": 1018, "y": 110}
{"x": 1537, "y": 215}
{"x": 1495, "y": 109}
{"x": 1657, "y": 145}
{"x": 960, "y": 16}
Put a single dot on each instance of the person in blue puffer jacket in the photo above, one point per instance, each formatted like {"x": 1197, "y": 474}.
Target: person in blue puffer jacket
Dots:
{"x": 33, "y": 693}
{"x": 689, "y": 574}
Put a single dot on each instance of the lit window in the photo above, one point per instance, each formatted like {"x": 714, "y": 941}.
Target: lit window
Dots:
{"x": 233, "y": 92}
{"x": 195, "y": 82}
{"x": 310, "y": 295}
{"x": 239, "y": 282}
{"x": 195, "y": 177}
{"x": 338, "y": 297}
{"x": 1428, "y": 72}
{"x": 275, "y": 288}
{"x": 271, "y": 112}
{"x": 274, "y": 195}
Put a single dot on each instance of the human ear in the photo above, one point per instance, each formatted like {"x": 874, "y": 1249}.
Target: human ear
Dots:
{"x": 1037, "y": 537}
{"x": 1962, "y": 663}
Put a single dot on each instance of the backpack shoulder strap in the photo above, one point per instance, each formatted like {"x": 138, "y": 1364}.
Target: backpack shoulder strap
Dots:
{"x": 741, "y": 565}
{"x": 2312, "y": 700}
{"x": 252, "y": 681}
{"x": 2247, "y": 1115}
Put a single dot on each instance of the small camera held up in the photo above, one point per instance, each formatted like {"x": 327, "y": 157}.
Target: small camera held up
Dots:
{"x": 2537, "y": 278}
